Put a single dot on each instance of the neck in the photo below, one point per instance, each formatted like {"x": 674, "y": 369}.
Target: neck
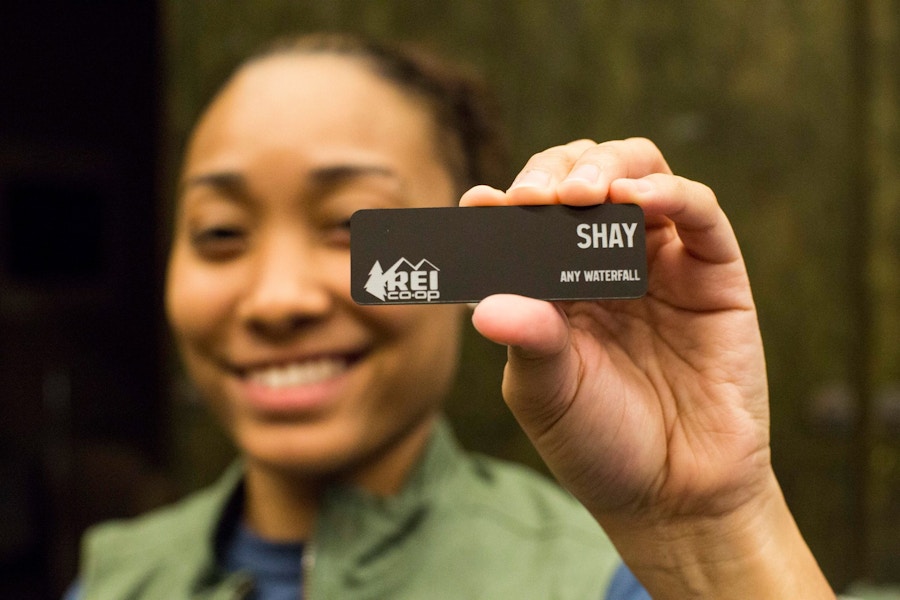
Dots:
{"x": 282, "y": 505}
{"x": 278, "y": 508}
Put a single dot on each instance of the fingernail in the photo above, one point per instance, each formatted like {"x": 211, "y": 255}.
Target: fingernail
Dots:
{"x": 537, "y": 178}
{"x": 585, "y": 173}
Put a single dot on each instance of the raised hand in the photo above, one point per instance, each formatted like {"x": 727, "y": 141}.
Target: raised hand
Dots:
{"x": 653, "y": 412}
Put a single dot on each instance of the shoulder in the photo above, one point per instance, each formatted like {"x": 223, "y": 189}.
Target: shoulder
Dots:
{"x": 194, "y": 514}
{"x": 177, "y": 539}
{"x": 522, "y": 498}
{"x": 497, "y": 519}
{"x": 494, "y": 493}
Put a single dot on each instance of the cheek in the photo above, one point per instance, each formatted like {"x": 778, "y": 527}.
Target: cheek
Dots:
{"x": 198, "y": 300}
{"x": 425, "y": 339}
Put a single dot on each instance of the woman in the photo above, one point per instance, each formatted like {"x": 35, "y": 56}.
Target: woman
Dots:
{"x": 652, "y": 412}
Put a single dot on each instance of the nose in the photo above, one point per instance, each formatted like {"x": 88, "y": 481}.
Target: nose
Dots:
{"x": 288, "y": 289}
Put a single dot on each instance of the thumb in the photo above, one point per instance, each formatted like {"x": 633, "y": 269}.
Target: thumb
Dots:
{"x": 540, "y": 377}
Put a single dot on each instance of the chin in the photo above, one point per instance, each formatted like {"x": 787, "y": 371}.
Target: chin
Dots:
{"x": 309, "y": 451}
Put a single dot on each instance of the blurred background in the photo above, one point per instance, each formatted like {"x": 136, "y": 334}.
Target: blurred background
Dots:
{"x": 788, "y": 109}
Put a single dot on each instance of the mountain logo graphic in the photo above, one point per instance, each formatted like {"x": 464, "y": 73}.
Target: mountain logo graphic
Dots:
{"x": 404, "y": 281}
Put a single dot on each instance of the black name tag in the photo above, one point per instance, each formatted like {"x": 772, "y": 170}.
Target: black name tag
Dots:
{"x": 434, "y": 255}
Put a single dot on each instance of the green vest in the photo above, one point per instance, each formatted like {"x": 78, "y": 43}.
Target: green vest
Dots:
{"x": 464, "y": 526}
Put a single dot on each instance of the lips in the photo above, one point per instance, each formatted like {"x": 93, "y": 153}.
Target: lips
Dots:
{"x": 295, "y": 387}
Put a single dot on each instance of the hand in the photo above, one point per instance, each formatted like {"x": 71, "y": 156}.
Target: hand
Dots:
{"x": 653, "y": 412}
{"x": 670, "y": 390}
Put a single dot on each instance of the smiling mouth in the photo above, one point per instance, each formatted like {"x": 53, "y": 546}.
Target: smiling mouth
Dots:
{"x": 299, "y": 374}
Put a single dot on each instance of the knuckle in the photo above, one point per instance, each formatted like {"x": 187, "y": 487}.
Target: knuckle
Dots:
{"x": 645, "y": 143}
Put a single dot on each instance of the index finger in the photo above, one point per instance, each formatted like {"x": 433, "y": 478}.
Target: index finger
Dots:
{"x": 591, "y": 175}
{"x": 579, "y": 173}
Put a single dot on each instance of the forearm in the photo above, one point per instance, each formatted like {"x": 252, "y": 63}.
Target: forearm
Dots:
{"x": 755, "y": 552}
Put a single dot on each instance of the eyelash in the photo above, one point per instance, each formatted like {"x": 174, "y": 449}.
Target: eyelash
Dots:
{"x": 218, "y": 243}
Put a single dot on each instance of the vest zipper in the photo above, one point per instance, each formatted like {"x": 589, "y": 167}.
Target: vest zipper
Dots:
{"x": 307, "y": 564}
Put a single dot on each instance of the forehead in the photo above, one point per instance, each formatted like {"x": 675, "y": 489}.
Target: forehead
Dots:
{"x": 287, "y": 98}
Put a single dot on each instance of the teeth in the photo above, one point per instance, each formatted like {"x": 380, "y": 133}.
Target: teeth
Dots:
{"x": 297, "y": 374}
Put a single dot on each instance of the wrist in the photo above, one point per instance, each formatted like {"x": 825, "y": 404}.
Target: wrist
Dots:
{"x": 754, "y": 551}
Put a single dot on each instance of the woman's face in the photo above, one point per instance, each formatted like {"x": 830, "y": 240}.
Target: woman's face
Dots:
{"x": 258, "y": 289}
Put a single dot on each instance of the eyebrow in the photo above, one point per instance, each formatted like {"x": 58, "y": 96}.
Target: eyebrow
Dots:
{"x": 236, "y": 185}
{"x": 336, "y": 174}
{"x": 232, "y": 183}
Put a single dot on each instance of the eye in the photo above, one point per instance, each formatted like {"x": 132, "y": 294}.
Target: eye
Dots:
{"x": 219, "y": 243}
{"x": 337, "y": 233}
